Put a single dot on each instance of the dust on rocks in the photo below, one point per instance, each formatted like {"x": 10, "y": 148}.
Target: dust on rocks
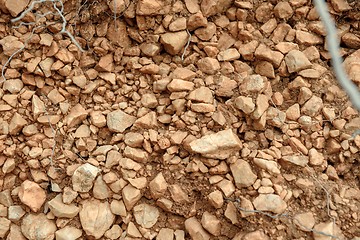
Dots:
{"x": 176, "y": 120}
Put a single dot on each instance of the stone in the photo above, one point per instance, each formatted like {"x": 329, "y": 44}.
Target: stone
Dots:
{"x": 16, "y": 124}
{"x": 283, "y": 10}
{"x": 83, "y": 177}
{"x": 265, "y": 68}
{"x": 136, "y": 154}
{"x": 263, "y": 52}
{"x": 131, "y": 196}
{"x": 244, "y": 104}
{"x": 262, "y": 104}
{"x": 202, "y": 94}
{"x": 13, "y": 85}
{"x": 231, "y": 213}
{"x": 158, "y": 186}
{"x": 340, "y": 5}
{"x": 196, "y": 21}
{"x": 315, "y": 158}
{"x": 4, "y": 227}
{"x": 208, "y": 65}
{"x": 211, "y": 223}
{"x": 114, "y": 232}
{"x": 146, "y": 215}
{"x": 118, "y": 208}
{"x": 38, "y": 227}
{"x": 216, "y": 199}
{"x": 15, "y": 213}
{"x": 16, "y": 8}
{"x": 228, "y": 55}
{"x": 62, "y": 210}
{"x": 218, "y": 145}
{"x": 252, "y": 84}
{"x": 68, "y": 233}
{"x": 178, "y": 194}
{"x": 96, "y": 217}
{"x": 165, "y": 234}
{"x": 132, "y": 231}
{"x": 304, "y": 221}
{"x": 195, "y": 230}
{"x": 298, "y": 160}
{"x": 174, "y": 42}
{"x": 227, "y": 187}
{"x": 182, "y": 73}
{"x": 76, "y": 116}
{"x": 117, "y": 34}
{"x": 100, "y": 190}
{"x": 329, "y": 228}
{"x": 150, "y": 49}
{"x": 242, "y": 174}
{"x": 32, "y": 195}
{"x": 293, "y": 112}
{"x": 213, "y": 7}
{"x": 296, "y": 61}
{"x": 118, "y": 121}
{"x": 15, "y": 233}
{"x": 149, "y": 7}
{"x": 270, "y": 202}
{"x": 258, "y": 235}
{"x": 307, "y": 38}
{"x": 312, "y": 107}
{"x": 206, "y": 33}
{"x": 11, "y": 44}
{"x": 149, "y": 100}
{"x": 177, "y": 85}
{"x": 148, "y": 121}
{"x": 351, "y": 40}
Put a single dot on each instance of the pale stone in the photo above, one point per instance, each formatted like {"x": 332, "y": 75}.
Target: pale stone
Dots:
{"x": 76, "y": 116}
{"x": 218, "y": 145}
{"x": 178, "y": 194}
{"x": 146, "y": 215}
{"x": 96, "y": 217}
{"x": 158, "y": 186}
{"x": 296, "y": 61}
{"x": 242, "y": 173}
{"x": 304, "y": 221}
{"x": 100, "y": 190}
{"x": 32, "y": 195}
{"x": 131, "y": 196}
{"x": 83, "y": 177}
{"x": 174, "y": 42}
{"x": 38, "y": 227}
{"x": 119, "y": 121}
{"x": 194, "y": 228}
{"x": 4, "y": 227}
{"x": 62, "y": 210}
{"x": 211, "y": 223}
{"x": 270, "y": 202}
{"x": 68, "y": 233}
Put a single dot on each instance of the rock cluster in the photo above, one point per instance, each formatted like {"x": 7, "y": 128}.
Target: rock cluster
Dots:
{"x": 179, "y": 120}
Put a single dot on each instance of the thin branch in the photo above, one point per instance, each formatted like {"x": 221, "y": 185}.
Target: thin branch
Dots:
{"x": 187, "y": 45}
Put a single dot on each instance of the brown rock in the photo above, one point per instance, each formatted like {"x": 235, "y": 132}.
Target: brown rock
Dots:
{"x": 206, "y": 33}
{"x": 174, "y": 42}
{"x": 270, "y": 202}
{"x": 307, "y": 38}
{"x": 283, "y": 10}
{"x": 76, "y": 115}
{"x": 258, "y": 235}
{"x": 312, "y": 107}
{"x": 96, "y": 217}
{"x": 212, "y": 7}
{"x": 211, "y": 223}
{"x": 304, "y": 221}
{"x": 196, "y": 21}
{"x": 16, "y": 8}
{"x": 208, "y": 65}
{"x": 296, "y": 61}
{"x": 340, "y": 5}
{"x": 38, "y": 227}
{"x": 118, "y": 34}
{"x": 158, "y": 186}
{"x": 165, "y": 234}
{"x": 195, "y": 230}
{"x": 216, "y": 199}
{"x": 4, "y": 227}
{"x": 62, "y": 210}
{"x": 263, "y": 52}
{"x": 218, "y": 145}
{"x": 83, "y": 177}
{"x": 118, "y": 121}
{"x": 16, "y": 124}
{"x": 178, "y": 194}
{"x": 68, "y": 233}
{"x": 150, "y": 7}
{"x": 32, "y": 195}
{"x": 228, "y": 55}
{"x": 242, "y": 173}
{"x": 131, "y": 196}
{"x": 327, "y": 228}
{"x": 202, "y": 94}
{"x": 146, "y": 215}
{"x": 177, "y": 85}
{"x": 10, "y": 44}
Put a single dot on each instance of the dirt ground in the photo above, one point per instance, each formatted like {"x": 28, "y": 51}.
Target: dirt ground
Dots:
{"x": 188, "y": 119}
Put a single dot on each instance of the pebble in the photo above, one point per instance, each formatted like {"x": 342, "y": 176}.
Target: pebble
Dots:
{"x": 165, "y": 234}
{"x": 96, "y": 217}
{"x": 146, "y": 215}
{"x": 131, "y": 196}
{"x": 242, "y": 173}
{"x": 211, "y": 223}
{"x": 118, "y": 121}
{"x": 195, "y": 230}
{"x": 68, "y": 233}
{"x": 76, "y": 116}
{"x": 258, "y": 235}
{"x": 327, "y": 228}
{"x": 16, "y": 124}
{"x": 10, "y": 44}
{"x": 231, "y": 213}
{"x": 32, "y": 195}
{"x": 15, "y": 213}
{"x": 38, "y": 227}
{"x": 244, "y": 104}
{"x": 216, "y": 199}
{"x": 270, "y": 202}
{"x": 268, "y": 165}
{"x": 62, "y": 210}
{"x": 202, "y": 94}
{"x": 83, "y": 177}
{"x": 174, "y": 42}
{"x": 312, "y": 107}
{"x": 4, "y": 226}
{"x": 100, "y": 190}
{"x": 219, "y": 145}
{"x": 298, "y": 160}
{"x": 158, "y": 186}
{"x": 296, "y": 61}
{"x": 208, "y": 65}
{"x": 178, "y": 194}
{"x": 114, "y": 232}
{"x": 304, "y": 221}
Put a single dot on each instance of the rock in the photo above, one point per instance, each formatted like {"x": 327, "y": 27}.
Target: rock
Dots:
{"x": 146, "y": 215}
{"x": 83, "y": 177}
{"x": 283, "y": 10}
{"x": 15, "y": 213}
{"x": 76, "y": 116}
{"x": 268, "y": 165}
{"x": 62, "y": 210}
{"x": 216, "y": 199}
{"x": 117, "y": 34}
{"x": 37, "y": 107}
{"x": 258, "y": 235}
{"x": 242, "y": 173}
{"x": 351, "y": 40}
{"x": 136, "y": 154}
{"x": 16, "y": 124}
{"x": 131, "y": 196}
{"x": 315, "y": 158}
{"x": 178, "y": 194}
{"x": 11, "y": 44}
{"x": 149, "y": 121}
{"x": 177, "y": 85}
{"x": 329, "y": 228}
{"x": 299, "y": 160}
{"x": 307, "y": 38}
{"x": 213, "y": 7}
{"x": 119, "y": 121}
{"x": 304, "y": 221}
{"x": 195, "y": 230}
{"x": 218, "y": 145}
{"x": 263, "y": 52}
{"x": 38, "y": 227}
{"x": 196, "y": 21}
{"x": 262, "y": 104}
{"x": 312, "y": 107}
{"x": 4, "y": 227}
{"x": 150, "y": 7}
{"x": 114, "y": 232}
{"x": 165, "y": 234}
{"x": 149, "y": 100}
{"x": 252, "y": 84}
{"x": 231, "y": 213}
{"x": 158, "y": 186}
{"x": 174, "y": 42}
{"x": 352, "y": 66}
{"x": 227, "y": 187}
{"x": 340, "y": 5}
{"x": 296, "y": 61}
{"x": 96, "y": 217}
{"x": 270, "y": 202}
{"x": 16, "y": 8}
{"x": 13, "y": 85}
{"x": 15, "y": 233}
{"x": 202, "y": 94}
{"x": 118, "y": 208}
{"x": 32, "y": 195}
{"x": 150, "y": 49}
{"x": 118, "y": 6}
{"x": 206, "y": 33}
{"x": 293, "y": 112}
{"x": 211, "y": 223}
{"x": 68, "y": 233}
{"x": 208, "y": 65}
{"x": 100, "y": 190}
{"x": 132, "y": 231}
{"x": 228, "y": 55}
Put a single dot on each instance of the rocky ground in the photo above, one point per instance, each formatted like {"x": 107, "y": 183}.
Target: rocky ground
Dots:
{"x": 174, "y": 120}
